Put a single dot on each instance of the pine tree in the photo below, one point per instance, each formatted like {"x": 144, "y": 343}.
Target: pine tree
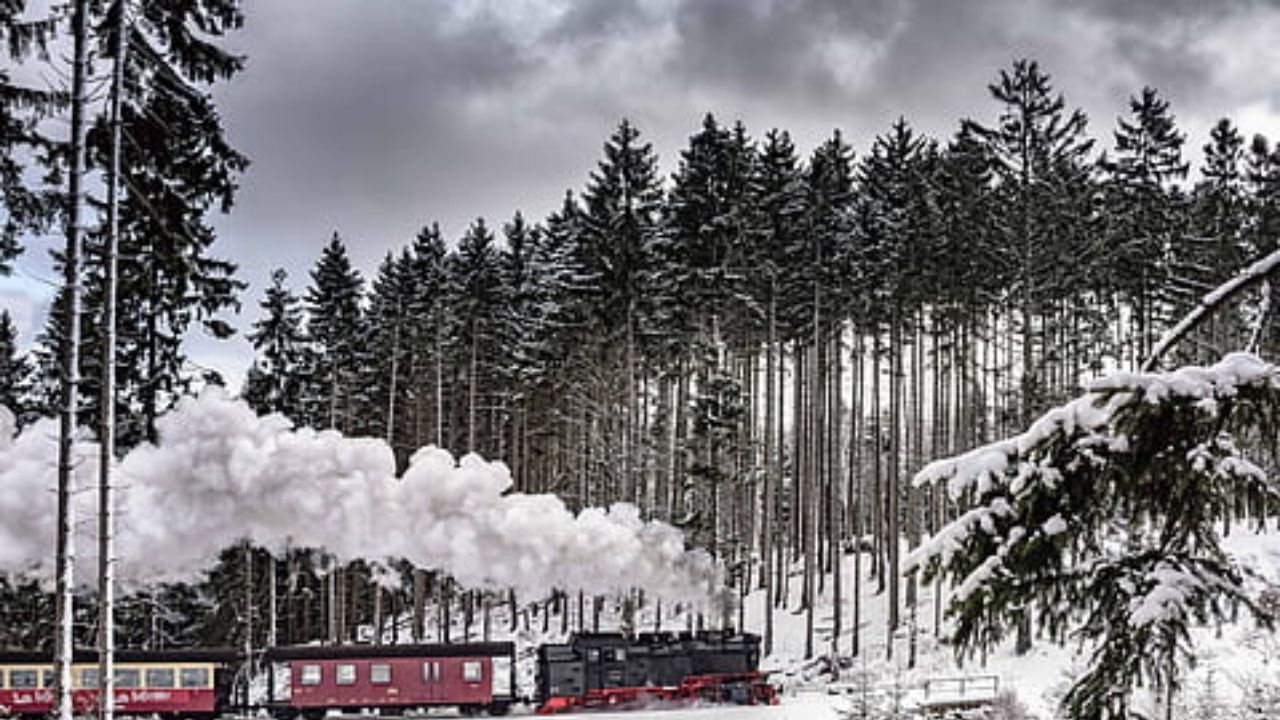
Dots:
{"x": 708, "y": 224}
{"x": 386, "y": 351}
{"x": 1218, "y": 215}
{"x": 178, "y": 170}
{"x": 428, "y": 326}
{"x": 480, "y": 293}
{"x": 277, "y": 379}
{"x": 703, "y": 279}
{"x": 13, "y": 368}
{"x": 619, "y": 226}
{"x": 1146, "y": 213}
{"x": 1100, "y": 521}
{"x": 24, "y": 208}
{"x": 1262, "y": 229}
{"x": 1031, "y": 145}
{"x": 333, "y": 324}
{"x": 782, "y": 209}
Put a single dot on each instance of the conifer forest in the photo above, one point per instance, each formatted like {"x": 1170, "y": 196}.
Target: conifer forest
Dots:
{"x": 902, "y": 398}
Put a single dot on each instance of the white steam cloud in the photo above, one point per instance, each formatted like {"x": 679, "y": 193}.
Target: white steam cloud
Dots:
{"x": 221, "y": 473}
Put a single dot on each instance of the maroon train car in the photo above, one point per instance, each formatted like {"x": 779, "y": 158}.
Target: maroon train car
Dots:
{"x": 312, "y": 680}
{"x": 168, "y": 683}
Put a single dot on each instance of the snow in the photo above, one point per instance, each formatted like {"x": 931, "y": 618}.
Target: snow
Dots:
{"x": 220, "y": 473}
{"x": 8, "y": 425}
{"x": 1054, "y": 526}
{"x": 1087, "y": 420}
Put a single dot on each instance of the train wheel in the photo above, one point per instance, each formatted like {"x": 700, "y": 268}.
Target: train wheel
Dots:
{"x": 498, "y": 709}
{"x": 469, "y": 710}
{"x": 314, "y": 714}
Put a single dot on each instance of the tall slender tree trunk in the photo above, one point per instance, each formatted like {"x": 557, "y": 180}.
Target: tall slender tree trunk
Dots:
{"x": 439, "y": 378}
{"x": 272, "y": 615}
{"x": 766, "y": 521}
{"x": 391, "y": 392}
{"x": 64, "y": 639}
{"x": 107, "y": 412}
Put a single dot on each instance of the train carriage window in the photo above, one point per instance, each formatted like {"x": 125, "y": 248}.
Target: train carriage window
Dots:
{"x": 88, "y": 677}
{"x": 380, "y": 674}
{"x": 128, "y": 678}
{"x": 23, "y": 679}
{"x": 4, "y": 677}
{"x": 194, "y": 677}
{"x": 47, "y": 676}
{"x": 620, "y": 654}
{"x": 593, "y": 655}
{"x": 160, "y": 678}
{"x": 346, "y": 675}
{"x": 310, "y": 675}
{"x": 472, "y": 671}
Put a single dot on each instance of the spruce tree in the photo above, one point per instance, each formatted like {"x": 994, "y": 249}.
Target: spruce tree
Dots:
{"x": 477, "y": 271}
{"x": 1146, "y": 213}
{"x": 428, "y": 331}
{"x": 1032, "y": 143}
{"x": 23, "y": 207}
{"x": 1217, "y": 243}
{"x": 177, "y": 171}
{"x": 1100, "y": 521}
{"x": 385, "y": 352}
{"x": 13, "y": 368}
{"x": 276, "y": 380}
{"x": 619, "y": 227}
{"x": 334, "y": 318}
{"x": 708, "y": 224}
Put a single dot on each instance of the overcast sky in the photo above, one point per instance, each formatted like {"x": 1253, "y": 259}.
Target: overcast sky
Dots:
{"x": 375, "y": 117}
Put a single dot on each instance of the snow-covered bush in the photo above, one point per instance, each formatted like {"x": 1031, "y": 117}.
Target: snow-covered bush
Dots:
{"x": 1099, "y": 521}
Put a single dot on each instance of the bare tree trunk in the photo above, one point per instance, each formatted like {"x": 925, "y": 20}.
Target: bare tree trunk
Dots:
{"x": 766, "y": 521}
{"x": 395, "y": 377}
{"x": 64, "y": 605}
{"x": 471, "y": 401}
{"x": 855, "y": 504}
{"x": 439, "y": 381}
{"x": 248, "y": 606}
{"x": 272, "y": 617}
{"x": 419, "y": 604}
{"x": 107, "y": 412}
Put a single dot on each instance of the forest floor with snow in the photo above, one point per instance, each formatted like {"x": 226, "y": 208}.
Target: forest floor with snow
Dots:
{"x": 1228, "y": 662}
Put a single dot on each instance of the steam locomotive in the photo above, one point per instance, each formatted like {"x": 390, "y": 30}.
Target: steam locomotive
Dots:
{"x": 308, "y": 682}
{"x": 594, "y": 671}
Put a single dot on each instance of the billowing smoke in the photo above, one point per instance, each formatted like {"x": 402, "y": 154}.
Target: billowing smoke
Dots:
{"x": 220, "y": 473}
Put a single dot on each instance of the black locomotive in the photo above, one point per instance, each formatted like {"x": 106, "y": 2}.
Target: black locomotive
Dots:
{"x": 603, "y": 669}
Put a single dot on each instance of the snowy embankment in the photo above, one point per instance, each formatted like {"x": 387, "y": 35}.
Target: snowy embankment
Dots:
{"x": 1230, "y": 661}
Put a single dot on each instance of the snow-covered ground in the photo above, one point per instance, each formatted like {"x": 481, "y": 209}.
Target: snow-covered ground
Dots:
{"x": 1228, "y": 660}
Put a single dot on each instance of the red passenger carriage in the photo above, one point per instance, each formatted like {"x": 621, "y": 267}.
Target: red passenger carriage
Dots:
{"x": 310, "y": 680}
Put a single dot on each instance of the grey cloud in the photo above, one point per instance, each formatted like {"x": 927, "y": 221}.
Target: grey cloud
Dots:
{"x": 773, "y": 46}
{"x": 1158, "y": 12}
{"x": 592, "y": 21}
